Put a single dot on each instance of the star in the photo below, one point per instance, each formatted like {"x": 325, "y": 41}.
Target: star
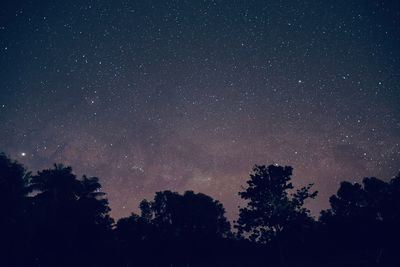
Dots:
{"x": 147, "y": 104}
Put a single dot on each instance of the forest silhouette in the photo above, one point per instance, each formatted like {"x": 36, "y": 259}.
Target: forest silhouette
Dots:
{"x": 54, "y": 218}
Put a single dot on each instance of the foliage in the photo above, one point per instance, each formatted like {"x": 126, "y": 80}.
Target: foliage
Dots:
{"x": 54, "y": 218}
{"x": 271, "y": 208}
{"x": 363, "y": 219}
{"x": 69, "y": 214}
{"x": 14, "y": 205}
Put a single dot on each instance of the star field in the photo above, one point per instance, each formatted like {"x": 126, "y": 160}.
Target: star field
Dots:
{"x": 154, "y": 95}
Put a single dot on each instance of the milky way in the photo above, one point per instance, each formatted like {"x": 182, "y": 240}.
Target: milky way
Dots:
{"x": 155, "y": 95}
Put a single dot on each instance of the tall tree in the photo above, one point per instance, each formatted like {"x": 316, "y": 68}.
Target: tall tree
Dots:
{"x": 180, "y": 229}
{"x": 71, "y": 218}
{"x": 363, "y": 219}
{"x": 189, "y": 214}
{"x": 14, "y": 203}
{"x": 271, "y": 208}
{"x": 138, "y": 240}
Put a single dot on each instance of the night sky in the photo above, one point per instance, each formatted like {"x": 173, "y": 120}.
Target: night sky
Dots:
{"x": 156, "y": 95}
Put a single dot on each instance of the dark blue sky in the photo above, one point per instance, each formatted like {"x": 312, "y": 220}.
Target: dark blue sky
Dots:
{"x": 153, "y": 95}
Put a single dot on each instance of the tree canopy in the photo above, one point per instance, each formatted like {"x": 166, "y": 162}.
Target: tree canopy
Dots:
{"x": 271, "y": 207}
{"x": 55, "y": 218}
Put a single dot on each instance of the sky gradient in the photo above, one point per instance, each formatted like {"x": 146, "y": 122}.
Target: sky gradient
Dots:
{"x": 155, "y": 95}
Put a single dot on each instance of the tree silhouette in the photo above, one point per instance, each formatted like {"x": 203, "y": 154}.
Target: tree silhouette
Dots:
{"x": 188, "y": 214}
{"x": 363, "y": 219}
{"x": 71, "y": 217}
{"x": 14, "y": 203}
{"x": 271, "y": 210}
{"x": 138, "y": 241}
{"x": 54, "y": 218}
{"x": 181, "y": 228}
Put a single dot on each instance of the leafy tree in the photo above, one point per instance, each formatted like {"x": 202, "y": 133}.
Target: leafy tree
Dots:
{"x": 14, "y": 203}
{"x": 92, "y": 202}
{"x": 190, "y": 225}
{"x": 138, "y": 241}
{"x": 188, "y": 214}
{"x": 55, "y": 218}
{"x": 272, "y": 209}
{"x": 14, "y": 181}
{"x": 72, "y": 224}
{"x": 178, "y": 228}
{"x": 363, "y": 219}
